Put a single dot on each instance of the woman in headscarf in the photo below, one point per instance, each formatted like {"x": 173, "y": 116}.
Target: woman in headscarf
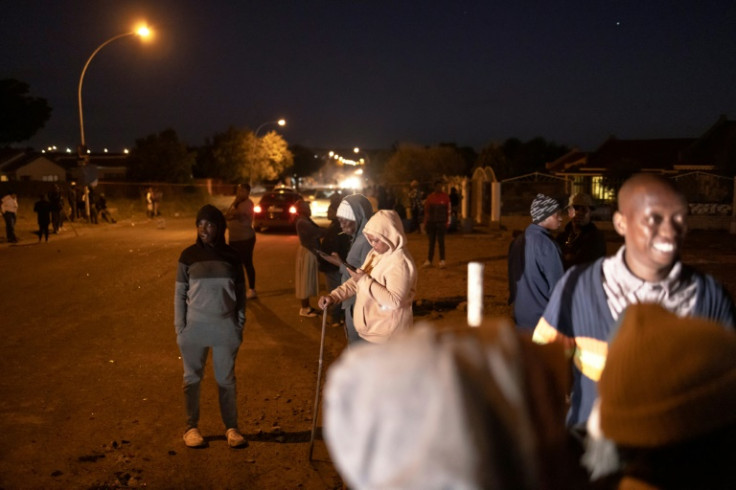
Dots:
{"x": 385, "y": 285}
{"x": 209, "y": 312}
{"x": 352, "y": 213}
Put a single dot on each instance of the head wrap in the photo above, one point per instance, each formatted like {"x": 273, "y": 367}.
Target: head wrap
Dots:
{"x": 667, "y": 379}
{"x": 543, "y": 207}
{"x": 345, "y": 211}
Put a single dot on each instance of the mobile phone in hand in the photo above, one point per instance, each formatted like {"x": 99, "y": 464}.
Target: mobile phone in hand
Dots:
{"x": 322, "y": 254}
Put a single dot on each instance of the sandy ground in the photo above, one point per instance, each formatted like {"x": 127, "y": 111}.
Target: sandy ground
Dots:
{"x": 90, "y": 394}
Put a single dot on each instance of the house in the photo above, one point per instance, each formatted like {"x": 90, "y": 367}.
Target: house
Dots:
{"x": 601, "y": 171}
{"x": 21, "y": 165}
{"x": 25, "y": 165}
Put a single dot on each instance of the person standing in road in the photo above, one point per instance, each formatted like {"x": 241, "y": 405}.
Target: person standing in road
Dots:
{"x": 241, "y": 235}
{"x": 9, "y": 208}
{"x": 589, "y": 301}
{"x": 306, "y": 282}
{"x": 57, "y": 204}
{"x": 436, "y": 222}
{"x": 415, "y": 206}
{"x": 581, "y": 241}
{"x": 353, "y": 213}
{"x": 535, "y": 263}
{"x": 385, "y": 284}
{"x": 42, "y": 208}
{"x": 209, "y": 313}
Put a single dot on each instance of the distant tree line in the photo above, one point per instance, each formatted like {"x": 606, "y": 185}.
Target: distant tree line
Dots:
{"x": 238, "y": 155}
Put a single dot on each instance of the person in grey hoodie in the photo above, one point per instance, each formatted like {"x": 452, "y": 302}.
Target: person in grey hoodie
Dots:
{"x": 353, "y": 213}
{"x": 209, "y": 312}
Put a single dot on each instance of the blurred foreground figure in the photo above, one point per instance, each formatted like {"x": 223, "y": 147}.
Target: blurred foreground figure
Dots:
{"x": 471, "y": 408}
{"x": 668, "y": 401}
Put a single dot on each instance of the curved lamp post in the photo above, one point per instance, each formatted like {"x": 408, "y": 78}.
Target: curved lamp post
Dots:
{"x": 280, "y": 122}
{"x": 142, "y": 32}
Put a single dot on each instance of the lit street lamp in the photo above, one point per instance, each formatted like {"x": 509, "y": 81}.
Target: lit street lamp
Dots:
{"x": 280, "y": 122}
{"x": 143, "y": 32}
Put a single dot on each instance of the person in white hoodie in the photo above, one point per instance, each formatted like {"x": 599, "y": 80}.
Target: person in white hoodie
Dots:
{"x": 385, "y": 285}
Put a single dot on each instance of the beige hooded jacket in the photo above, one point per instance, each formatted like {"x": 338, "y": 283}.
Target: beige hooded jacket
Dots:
{"x": 383, "y": 297}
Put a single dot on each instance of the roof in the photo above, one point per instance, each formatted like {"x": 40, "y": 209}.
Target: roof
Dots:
{"x": 616, "y": 155}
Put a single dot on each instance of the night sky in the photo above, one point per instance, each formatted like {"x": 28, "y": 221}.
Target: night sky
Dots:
{"x": 371, "y": 73}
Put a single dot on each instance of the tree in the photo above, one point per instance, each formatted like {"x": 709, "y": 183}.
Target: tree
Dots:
{"x": 514, "y": 158}
{"x": 161, "y": 158}
{"x": 21, "y": 116}
{"x": 425, "y": 164}
{"x": 237, "y": 155}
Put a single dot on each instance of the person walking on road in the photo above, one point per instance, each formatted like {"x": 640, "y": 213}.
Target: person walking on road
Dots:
{"x": 209, "y": 313}
{"x": 436, "y": 222}
{"x": 241, "y": 235}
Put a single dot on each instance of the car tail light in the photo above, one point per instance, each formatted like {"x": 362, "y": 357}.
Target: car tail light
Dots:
{"x": 292, "y": 209}
{"x": 257, "y": 208}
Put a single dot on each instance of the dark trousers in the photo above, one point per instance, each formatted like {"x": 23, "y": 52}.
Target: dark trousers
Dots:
{"x": 245, "y": 251}
{"x": 436, "y": 232}
{"x": 10, "y": 226}
{"x": 43, "y": 231}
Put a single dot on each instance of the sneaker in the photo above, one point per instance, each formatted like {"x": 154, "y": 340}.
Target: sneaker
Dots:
{"x": 426, "y": 264}
{"x": 235, "y": 438}
{"x": 442, "y": 264}
{"x": 251, "y": 294}
{"x": 193, "y": 438}
{"x": 308, "y": 312}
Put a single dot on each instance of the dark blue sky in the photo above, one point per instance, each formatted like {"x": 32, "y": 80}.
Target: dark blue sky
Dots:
{"x": 370, "y": 73}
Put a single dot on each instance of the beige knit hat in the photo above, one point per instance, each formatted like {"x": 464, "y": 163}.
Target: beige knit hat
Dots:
{"x": 667, "y": 379}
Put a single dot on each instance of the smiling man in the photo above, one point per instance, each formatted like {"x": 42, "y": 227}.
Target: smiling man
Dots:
{"x": 588, "y": 301}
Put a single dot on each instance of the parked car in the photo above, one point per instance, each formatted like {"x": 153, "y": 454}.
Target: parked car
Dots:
{"x": 276, "y": 209}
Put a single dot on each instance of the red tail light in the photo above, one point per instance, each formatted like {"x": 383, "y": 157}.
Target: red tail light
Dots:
{"x": 257, "y": 208}
{"x": 292, "y": 209}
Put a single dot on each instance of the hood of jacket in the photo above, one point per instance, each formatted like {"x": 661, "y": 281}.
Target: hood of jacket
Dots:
{"x": 386, "y": 226}
{"x": 213, "y": 215}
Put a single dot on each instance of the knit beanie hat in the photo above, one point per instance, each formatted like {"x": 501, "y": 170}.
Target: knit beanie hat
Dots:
{"x": 345, "y": 211}
{"x": 543, "y": 207}
{"x": 667, "y": 379}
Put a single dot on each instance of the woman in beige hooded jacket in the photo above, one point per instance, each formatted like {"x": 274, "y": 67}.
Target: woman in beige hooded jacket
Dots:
{"x": 385, "y": 285}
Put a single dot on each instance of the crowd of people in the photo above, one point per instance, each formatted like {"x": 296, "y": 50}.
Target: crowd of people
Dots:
{"x": 581, "y": 388}
{"x": 55, "y": 208}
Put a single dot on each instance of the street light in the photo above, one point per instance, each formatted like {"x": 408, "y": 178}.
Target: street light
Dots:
{"x": 280, "y": 122}
{"x": 143, "y": 32}
{"x": 357, "y": 150}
